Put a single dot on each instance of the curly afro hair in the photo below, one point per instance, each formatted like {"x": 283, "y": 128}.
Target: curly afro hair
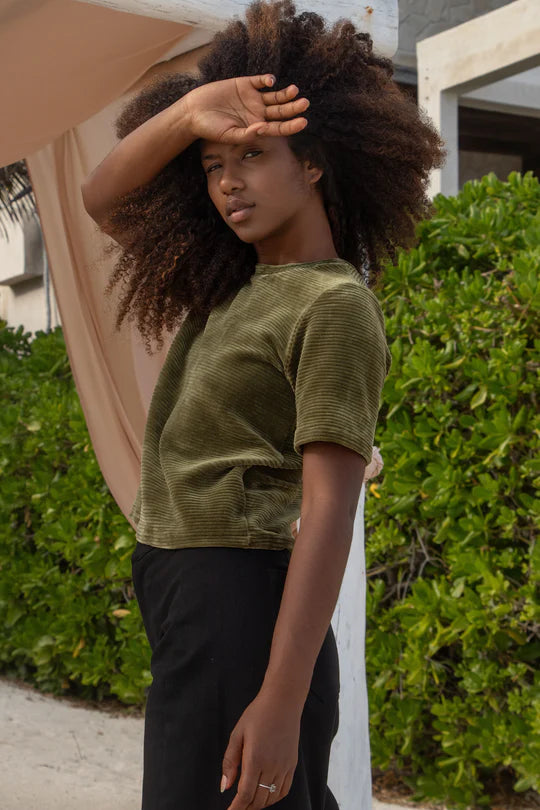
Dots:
{"x": 374, "y": 145}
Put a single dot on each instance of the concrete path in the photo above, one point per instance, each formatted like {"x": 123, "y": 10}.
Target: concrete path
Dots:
{"x": 56, "y": 755}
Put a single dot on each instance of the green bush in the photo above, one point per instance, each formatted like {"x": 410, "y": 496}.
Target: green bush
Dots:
{"x": 452, "y": 641}
{"x": 70, "y": 620}
{"x": 452, "y": 636}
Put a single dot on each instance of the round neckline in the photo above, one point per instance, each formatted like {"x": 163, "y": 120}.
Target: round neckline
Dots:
{"x": 263, "y": 268}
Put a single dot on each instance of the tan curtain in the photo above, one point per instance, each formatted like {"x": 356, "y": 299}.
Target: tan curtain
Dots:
{"x": 62, "y": 62}
{"x": 76, "y": 66}
{"x": 113, "y": 373}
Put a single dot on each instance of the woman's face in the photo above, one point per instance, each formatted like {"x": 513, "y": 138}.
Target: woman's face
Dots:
{"x": 264, "y": 180}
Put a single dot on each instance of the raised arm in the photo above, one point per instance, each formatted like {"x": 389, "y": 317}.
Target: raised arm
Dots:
{"x": 229, "y": 111}
{"x": 138, "y": 158}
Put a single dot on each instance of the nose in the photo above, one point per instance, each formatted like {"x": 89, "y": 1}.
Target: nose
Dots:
{"x": 230, "y": 179}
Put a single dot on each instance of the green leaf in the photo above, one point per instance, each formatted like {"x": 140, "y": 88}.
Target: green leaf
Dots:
{"x": 479, "y": 398}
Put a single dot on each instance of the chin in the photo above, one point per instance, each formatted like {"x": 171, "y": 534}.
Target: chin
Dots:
{"x": 249, "y": 235}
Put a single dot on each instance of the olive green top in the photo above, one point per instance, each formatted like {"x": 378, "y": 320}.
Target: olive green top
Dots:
{"x": 297, "y": 355}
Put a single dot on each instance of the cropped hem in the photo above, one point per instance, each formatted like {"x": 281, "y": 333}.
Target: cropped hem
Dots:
{"x": 274, "y": 544}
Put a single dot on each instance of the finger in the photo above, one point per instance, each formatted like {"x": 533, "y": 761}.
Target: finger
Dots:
{"x": 270, "y": 798}
{"x": 262, "y": 80}
{"x": 280, "y": 96}
{"x": 248, "y": 785}
{"x": 282, "y": 128}
{"x": 232, "y": 758}
{"x": 263, "y": 797}
{"x": 278, "y": 112}
{"x": 286, "y": 785}
{"x": 275, "y": 128}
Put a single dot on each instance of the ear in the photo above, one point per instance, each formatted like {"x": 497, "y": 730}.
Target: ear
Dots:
{"x": 314, "y": 173}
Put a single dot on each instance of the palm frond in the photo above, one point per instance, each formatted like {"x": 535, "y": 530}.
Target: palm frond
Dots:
{"x": 17, "y": 201}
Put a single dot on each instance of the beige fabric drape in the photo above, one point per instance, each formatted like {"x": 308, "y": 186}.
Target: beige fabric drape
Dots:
{"x": 76, "y": 66}
{"x": 61, "y": 62}
{"x": 113, "y": 373}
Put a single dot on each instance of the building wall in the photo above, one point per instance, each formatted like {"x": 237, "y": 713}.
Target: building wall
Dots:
{"x": 26, "y": 304}
{"x": 419, "y": 19}
{"x": 476, "y": 164}
{"x": 26, "y": 294}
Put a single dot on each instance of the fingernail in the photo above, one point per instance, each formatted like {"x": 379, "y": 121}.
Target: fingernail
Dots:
{"x": 223, "y": 783}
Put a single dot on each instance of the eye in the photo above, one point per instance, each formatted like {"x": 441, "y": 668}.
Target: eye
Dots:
{"x": 249, "y": 152}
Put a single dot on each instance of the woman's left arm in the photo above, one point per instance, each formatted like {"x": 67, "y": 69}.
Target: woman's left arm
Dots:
{"x": 332, "y": 480}
{"x": 265, "y": 740}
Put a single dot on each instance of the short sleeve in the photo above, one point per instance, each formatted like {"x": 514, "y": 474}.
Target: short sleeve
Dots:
{"x": 337, "y": 360}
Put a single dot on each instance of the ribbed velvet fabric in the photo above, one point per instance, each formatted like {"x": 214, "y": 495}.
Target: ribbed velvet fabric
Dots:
{"x": 298, "y": 354}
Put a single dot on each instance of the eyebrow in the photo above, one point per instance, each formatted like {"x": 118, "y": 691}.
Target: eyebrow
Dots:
{"x": 235, "y": 146}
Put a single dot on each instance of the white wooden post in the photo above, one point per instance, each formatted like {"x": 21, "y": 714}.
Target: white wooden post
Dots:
{"x": 442, "y": 108}
{"x": 349, "y": 772}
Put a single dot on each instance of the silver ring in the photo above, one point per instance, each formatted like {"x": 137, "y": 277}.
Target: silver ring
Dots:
{"x": 271, "y": 787}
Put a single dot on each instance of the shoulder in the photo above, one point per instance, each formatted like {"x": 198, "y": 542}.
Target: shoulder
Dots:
{"x": 347, "y": 300}
{"x": 344, "y": 320}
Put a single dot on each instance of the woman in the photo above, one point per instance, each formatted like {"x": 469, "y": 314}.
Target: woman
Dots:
{"x": 258, "y": 219}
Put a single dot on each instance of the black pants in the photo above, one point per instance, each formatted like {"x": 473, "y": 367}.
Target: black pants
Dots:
{"x": 209, "y": 614}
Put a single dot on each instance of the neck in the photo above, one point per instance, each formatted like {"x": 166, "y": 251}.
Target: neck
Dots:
{"x": 306, "y": 238}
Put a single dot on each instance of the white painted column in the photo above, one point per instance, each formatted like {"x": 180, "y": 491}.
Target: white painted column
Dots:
{"x": 349, "y": 774}
{"x": 442, "y": 106}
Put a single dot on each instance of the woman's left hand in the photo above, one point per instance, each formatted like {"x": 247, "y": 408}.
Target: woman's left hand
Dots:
{"x": 264, "y": 743}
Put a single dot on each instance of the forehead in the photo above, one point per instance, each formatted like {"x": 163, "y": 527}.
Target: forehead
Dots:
{"x": 211, "y": 149}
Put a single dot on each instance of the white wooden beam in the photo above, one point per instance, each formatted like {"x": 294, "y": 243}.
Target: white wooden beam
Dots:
{"x": 379, "y": 18}
{"x": 486, "y": 49}
{"x": 516, "y": 95}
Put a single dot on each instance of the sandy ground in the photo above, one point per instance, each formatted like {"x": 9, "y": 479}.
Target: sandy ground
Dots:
{"x": 56, "y": 755}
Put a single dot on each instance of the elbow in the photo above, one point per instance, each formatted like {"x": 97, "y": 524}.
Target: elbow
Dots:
{"x": 88, "y": 202}
{"x": 92, "y": 204}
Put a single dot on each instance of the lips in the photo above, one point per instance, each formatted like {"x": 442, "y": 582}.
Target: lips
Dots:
{"x": 236, "y": 204}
